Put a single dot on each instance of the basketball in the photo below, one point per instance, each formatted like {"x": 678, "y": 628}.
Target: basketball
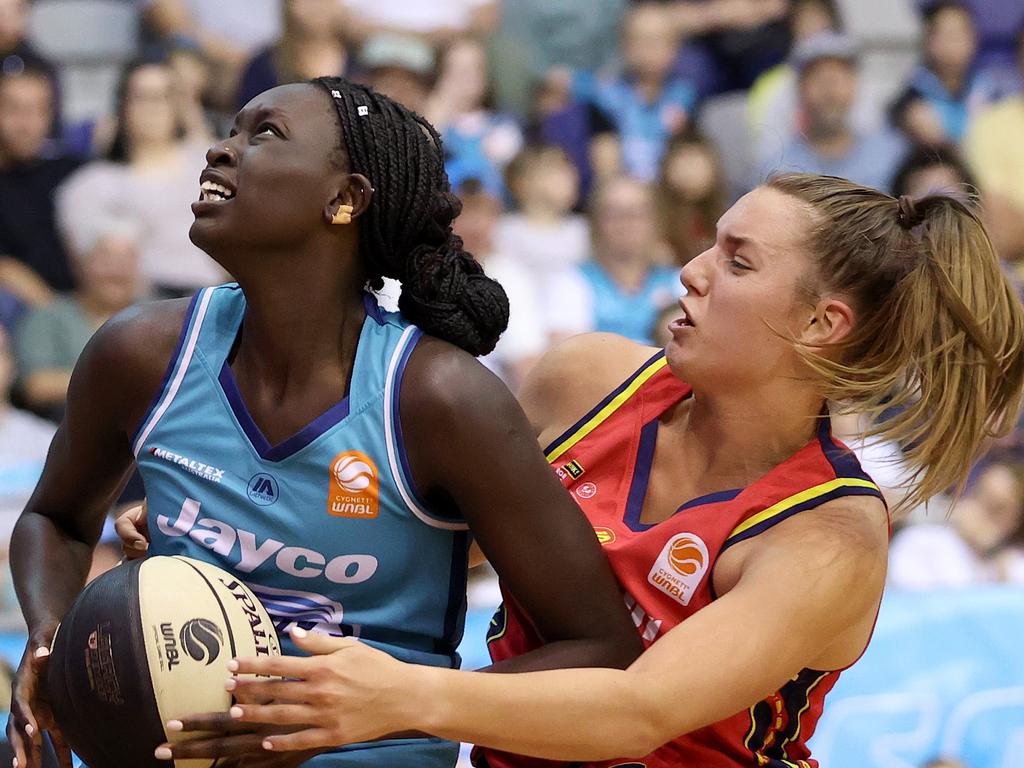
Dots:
{"x": 145, "y": 643}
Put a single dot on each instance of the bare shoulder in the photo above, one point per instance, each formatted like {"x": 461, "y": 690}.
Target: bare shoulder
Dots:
{"x": 126, "y": 358}
{"x": 574, "y": 376}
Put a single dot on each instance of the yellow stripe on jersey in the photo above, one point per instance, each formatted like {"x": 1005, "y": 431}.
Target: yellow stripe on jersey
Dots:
{"x": 613, "y": 405}
{"x": 800, "y": 498}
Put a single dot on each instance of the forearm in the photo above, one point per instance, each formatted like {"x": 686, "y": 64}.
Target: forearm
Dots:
{"x": 49, "y": 568}
{"x": 591, "y": 714}
{"x": 568, "y": 654}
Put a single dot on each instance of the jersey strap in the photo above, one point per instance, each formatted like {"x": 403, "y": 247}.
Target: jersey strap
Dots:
{"x": 603, "y": 410}
{"x": 178, "y": 365}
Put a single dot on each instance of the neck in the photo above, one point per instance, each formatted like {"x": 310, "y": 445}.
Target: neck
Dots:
{"x": 298, "y": 314}
{"x": 732, "y": 439}
{"x": 146, "y": 153}
{"x": 831, "y": 143}
{"x": 627, "y": 270}
{"x": 539, "y": 214}
{"x": 649, "y": 85}
{"x": 952, "y": 80}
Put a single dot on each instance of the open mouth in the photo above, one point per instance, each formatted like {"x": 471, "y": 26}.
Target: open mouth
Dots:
{"x": 210, "y": 191}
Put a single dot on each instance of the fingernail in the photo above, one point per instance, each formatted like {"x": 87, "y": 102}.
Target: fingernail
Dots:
{"x": 230, "y": 684}
{"x": 29, "y": 729}
{"x": 267, "y": 744}
{"x": 175, "y": 725}
{"x": 141, "y": 545}
{"x": 14, "y": 763}
{"x": 298, "y": 632}
{"x": 235, "y": 711}
{"x": 42, "y": 652}
{"x": 162, "y": 753}
{"x": 232, "y": 666}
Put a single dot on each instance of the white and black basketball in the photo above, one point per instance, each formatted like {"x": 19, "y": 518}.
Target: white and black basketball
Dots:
{"x": 145, "y": 643}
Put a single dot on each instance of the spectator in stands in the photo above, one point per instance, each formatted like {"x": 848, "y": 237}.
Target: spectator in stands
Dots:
{"x": 227, "y": 32}
{"x": 151, "y": 175}
{"x": 983, "y": 541}
{"x": 623, "y": 287}
{"x": 50, "y": 339}
{"x": 400, "y": 67}
{"x": 310, "y": 46}
{"x": 543, "y": 234}
{"x": 773, "y": 100}
{"x": 731, "y": 42}
{"x": 525, "y": 339}
{"x": 691, "y": 195}
{"x": 541, "y": 35}
{"x": 645, "y": 105}
{"x": 437, "y": 23}
{"x": 17, "y": 54}
{"x": 33, "y": 262}
{"x": 933, "y": 108}
{"x": 478, "y": 141}
{"x": 995, "y": 150}
{"x": 830, "y": 144}
{"x": 939, "y": 170}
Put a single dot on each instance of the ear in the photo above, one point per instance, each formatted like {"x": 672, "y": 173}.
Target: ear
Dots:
{"x": 831, "y": 322}
{"x": 356, "y": 192}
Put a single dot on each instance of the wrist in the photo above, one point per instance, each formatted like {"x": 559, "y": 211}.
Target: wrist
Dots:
{"x": 425, "y": 703}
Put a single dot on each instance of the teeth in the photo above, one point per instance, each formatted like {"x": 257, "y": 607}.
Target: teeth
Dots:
{"x": 212, "y": 191}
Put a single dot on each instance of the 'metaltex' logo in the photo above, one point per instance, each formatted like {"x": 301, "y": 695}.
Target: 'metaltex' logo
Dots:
{"x": 197, "y": 468}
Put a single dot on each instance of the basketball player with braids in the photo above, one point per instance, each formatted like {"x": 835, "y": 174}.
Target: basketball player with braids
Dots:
{"x": 334, "y": 456}
{"x": 750, "y": 544}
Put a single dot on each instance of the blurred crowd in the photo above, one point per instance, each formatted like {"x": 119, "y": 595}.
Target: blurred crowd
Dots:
{"x": 594, "y": 144}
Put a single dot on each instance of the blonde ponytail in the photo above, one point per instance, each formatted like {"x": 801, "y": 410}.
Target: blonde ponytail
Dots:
{"x": 939, "y": 341}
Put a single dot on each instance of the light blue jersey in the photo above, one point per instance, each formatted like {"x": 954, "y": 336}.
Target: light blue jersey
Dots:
{"x": 326, "y": 528}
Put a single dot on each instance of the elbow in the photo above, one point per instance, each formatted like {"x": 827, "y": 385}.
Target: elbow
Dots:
{"x": 651, "y": 729}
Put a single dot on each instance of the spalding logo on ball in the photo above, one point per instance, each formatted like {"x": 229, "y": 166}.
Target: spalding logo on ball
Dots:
{"x": 135, "y": 650}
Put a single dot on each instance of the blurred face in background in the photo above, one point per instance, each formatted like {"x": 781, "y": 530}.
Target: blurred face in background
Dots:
{"x": 408, "y": 88}
{"x": 108, "y": 273}
{"x": 951, "y": 41}
{"x": 992, "y": 512}
{"x": 935, "y": 178}
{"x": 827, "y": 91}
{"x": 649, "y": 44}
{"x": 26, "y": 115}
{"x": 623, "y": 220}
{"x": 464, "y": 74}
{"x": 691, "y": 172}
{"x": 548, "y": 182}
{"x": 148, "y": 110}
{"x": 13, "y": 22}
{"x": 477, "y": 222}
{"x": 311, "y": 18}
{"x": 811, "y": 18}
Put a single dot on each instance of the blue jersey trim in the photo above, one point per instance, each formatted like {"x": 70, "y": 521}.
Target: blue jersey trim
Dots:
{"x": 396, "y": 418}
{"x": 597, "y": 408}
{"x": 289, "y": 447}
{"x": 711, "y": 498}
{"x": 641, "y": 477}
{"x": 171, "y": 365}
{"x": 455, "y": 614}
{"x": 844, "y": 462}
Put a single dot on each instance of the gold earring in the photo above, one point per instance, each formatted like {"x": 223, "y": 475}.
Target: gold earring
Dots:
{"x": 343, "y": 216}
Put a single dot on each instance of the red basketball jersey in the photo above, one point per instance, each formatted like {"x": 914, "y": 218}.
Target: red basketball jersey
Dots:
{"x": 665, "y": 569}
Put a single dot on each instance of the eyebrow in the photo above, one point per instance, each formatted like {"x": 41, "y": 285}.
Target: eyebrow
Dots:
{"x": 260, "y": 113}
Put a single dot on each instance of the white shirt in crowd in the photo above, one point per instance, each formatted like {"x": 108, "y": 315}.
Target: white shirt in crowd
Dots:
{"x": 416, "y": 15}
{"x": 543, "y": 250}
{"x": 160, "y": 203}
{"x": 934, "y": 555}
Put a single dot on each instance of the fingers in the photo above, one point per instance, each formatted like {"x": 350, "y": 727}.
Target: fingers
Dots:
{"x": 274, "y": 666}
{"x": 311, "y": 738}
{"x": 61, "y": 748}
{"x": 39, "y": 658}
{"x": 255, "y": 691}
{"x": 274, "y": 714}
{"x": 319, "y": 643}
{"x": 225, "y": 746}
{"x": 216, "y": 722}
{"x": 14, "y": 737}
{"x": 132, "y": 530}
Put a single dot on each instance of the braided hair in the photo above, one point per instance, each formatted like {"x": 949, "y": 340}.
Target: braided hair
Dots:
{"x": 406, "y": 232}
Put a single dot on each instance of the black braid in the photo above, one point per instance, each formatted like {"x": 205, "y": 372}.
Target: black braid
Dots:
{"x": 406, "y": 232}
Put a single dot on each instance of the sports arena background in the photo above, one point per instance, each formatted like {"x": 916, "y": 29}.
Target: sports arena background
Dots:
{"x": 594, "y": 144}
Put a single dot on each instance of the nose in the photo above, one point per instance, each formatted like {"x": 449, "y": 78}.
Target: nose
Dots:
{"x": 694, "y": 276}
{"x": 220, "y": 153}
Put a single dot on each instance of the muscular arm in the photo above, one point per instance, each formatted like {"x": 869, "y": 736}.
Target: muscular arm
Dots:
{"x": 472, "y": 449}
{"x": 88, "y": 461}
{"x": 808, "y": 581}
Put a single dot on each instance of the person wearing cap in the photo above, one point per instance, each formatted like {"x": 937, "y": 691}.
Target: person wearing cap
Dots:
{"x": 399, "y": 66}
{"x": 827, "y": 141}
